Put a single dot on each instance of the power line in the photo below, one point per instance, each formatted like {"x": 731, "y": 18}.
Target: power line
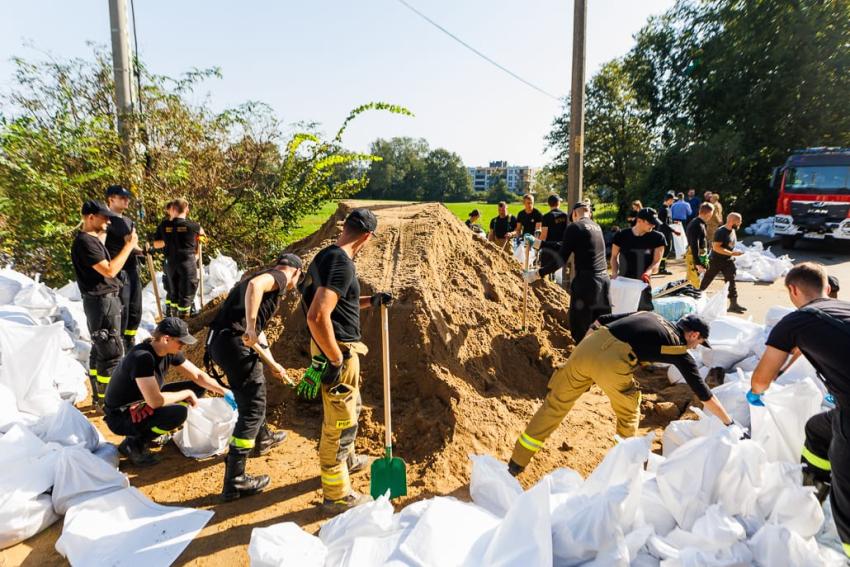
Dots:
{"x": 475, "y": 51}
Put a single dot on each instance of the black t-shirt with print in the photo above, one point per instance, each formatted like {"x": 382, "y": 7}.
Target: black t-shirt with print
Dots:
{"x": 115, "y": 233}
{"x": 183, "y": 239}
{"x": 86, "y": 251}
{"x": 556, "y": 222}
{"x": 636, "y": 252}
{"x": 502, "y": 225}
{"x": 529, "y": 220}
{"x": 231, "y": 314}
{"x": 140, "y": 362}
{"x": 334, "y": 269}
{"x": 163, "y": 232}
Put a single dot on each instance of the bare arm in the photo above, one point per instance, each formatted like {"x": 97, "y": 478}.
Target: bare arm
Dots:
{"x": 110, "y": 268}
{"x": 199, "y": 377}
{"x": 768, "y": 369}
{"x": 544, "y": 232}
{"x": 156, "y": 398}
{"x": 714, "y": 406}
{"x": 615, "y": 261}
{"x": 656, "y": 260}
{"x": 321, "y": 327}
{"x": 253, "y": 297}
{"x": 365, "y": 301}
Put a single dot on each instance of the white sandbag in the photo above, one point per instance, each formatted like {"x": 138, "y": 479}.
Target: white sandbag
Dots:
{"x": 69, "y": 428}
{"x": 11, "y": 282}
{"x": 680, "y": 241}
{"x": 777, "y": 546}
{"x": 491, "y": 486}
{"x": 25, "y": 519}
{"x": 716, "y": 305}
{"x": 19, "y": 315}
{"x": 775, "y": 314}
{"x": 776, "y": 477}
{"x": 370, "y": 519}
{"x": 679, "y": 432}
{"x": 108, "y": 453}
{"x": 674, "y": 375}
{"x": 9, "y": 414}
{"x": 779, "y": 426}
{"x": 741, "y": 479}
{"x": 519, "y": 255}
{"x": 563, "y": 481}
{"x": 687, "y": 480}
{"x": 29, "y": 362}
{"x": 716, "y": 531}
{"x": 70, "y": 291}
{"x": 450, "y": 532}
{"x": 524, "y": 537}
{"x": 797, "y": 508}
{"x": 285, "y": 544}
{"x": 625, "y": 294}
{"x": 369, "y": 551}
{"x": 800, "y": 370}
{"x": 653, "y": 511}
{"x": 732, "y": 340}
{"x": 71, "y": 379}
{"x": 81, "y": 475}
{"x": 732, "y": 395}
{"x": 207, "y": 429}
{"x": 37, "y": 299}
{"x": 129, "y": 530}
{"x": 585, "y": 526}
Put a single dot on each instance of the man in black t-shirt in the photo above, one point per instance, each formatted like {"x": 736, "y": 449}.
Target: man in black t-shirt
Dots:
{"x": 529, "y": 219}
{"x": 139, "y": 405}
{"x": 239, "y": 325}
{"x": 696, "y": 258}
{"x": 589, "y": 297}
{"x": 608, "y": 358}
{"x": 501, "y": 227}
{"x": 332, "y": 300}
{"x": 820, "y": 329}
{"x": 636, "y": 253}
{"x": 159, "y": 242}
{"x": 96, "y": 272}
{"x": 118, "y": 200}
{"x": 721, "y": 260}
{"x": 665, "y": 216}
{"x": 552, "y": 235}
{"x": 181, "y": 239}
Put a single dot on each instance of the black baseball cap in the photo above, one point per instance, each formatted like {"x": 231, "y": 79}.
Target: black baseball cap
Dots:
{"x": 582, "y": 205}
{"x": 97, "y": 208}
{"x": 118, "y": 191}
{"x": 833, "y": 283}
{"x": 177, "y": 328}
{"x": 291, "y": 260}
{"x": 649, "y": 215}
{"x": 553, "y": 200}
{"x": 669, "y": 195}
{"x": 362, "y": 220}
{"x": 696, "y": 323}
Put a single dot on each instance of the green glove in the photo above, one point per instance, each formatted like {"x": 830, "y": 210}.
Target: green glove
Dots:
{"x": 704, "y": 260}
{"x": 308, "y": 387}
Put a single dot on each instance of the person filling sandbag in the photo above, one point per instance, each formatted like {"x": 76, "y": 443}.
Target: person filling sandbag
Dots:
{"x": 820, "y": 329}
{"x": 608, "y": 358}
{"x": 139, "y": 405}
{"x": 238, "y": 327}
{"x": 637, "y": 253}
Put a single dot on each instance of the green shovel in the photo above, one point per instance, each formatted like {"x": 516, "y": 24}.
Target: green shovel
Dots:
{"x": 388, "y": 473}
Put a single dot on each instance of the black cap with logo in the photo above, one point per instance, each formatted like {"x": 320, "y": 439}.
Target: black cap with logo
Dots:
{"x": 291, "y": 260}
{"x": 649, "y": 215}
{"x": 362, "y": 220}
{"x": 118, "y": 191}
{"x": 696, "y": 323}
{"x": 97, "y": 208}
{"x": 177, "y": 328}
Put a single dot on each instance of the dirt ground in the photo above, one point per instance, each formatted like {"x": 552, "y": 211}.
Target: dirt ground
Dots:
{"x": 466, "y": 378}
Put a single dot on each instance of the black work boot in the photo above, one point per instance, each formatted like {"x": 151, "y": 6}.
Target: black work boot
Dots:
{"x": 267, "y": 440}
{"x": 514, "y": 468}
{"x": 735, "y": 307}
{"x": 238, "y": 484}
{"x": 137, "y": 453}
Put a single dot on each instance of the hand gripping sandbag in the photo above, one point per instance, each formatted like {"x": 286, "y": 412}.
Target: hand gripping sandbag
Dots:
{"x": 625, "y": 294}
{"x": 207, "y": 429}
{"x": 779, "y": 426}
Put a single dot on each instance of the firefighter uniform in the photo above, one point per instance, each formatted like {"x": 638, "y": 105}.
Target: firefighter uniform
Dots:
{"x": 131, "y": 286}
{"x": 608, "y": 357}
{"x": 821, "y": 330}
{"x": 163, "y": 233}
{"x": 182, "y": 264}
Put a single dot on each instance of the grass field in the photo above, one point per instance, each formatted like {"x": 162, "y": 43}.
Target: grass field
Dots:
{"x": 604, "y": 214}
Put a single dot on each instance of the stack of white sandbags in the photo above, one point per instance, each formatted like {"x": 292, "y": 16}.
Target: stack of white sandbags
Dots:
{"x": 760, "y": 265}
{"x": 761, "y": 227}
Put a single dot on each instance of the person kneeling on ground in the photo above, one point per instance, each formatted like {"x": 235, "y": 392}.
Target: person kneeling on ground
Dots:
{"x": 138, "y": 404}
{"x": 238, "y": 327}
{"x": 608, "y": 358}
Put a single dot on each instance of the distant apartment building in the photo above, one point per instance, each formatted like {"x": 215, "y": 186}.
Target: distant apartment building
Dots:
{"x": 518, "y": 177}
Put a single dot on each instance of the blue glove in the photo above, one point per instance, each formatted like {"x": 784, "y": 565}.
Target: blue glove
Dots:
{"x": 829, "y": 399}
{"x": 528, "y": 239}
{"x": 754, "y": 399}
{"x": 231, "y": 401}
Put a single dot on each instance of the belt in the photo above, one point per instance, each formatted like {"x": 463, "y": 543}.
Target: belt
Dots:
{"x": 97, "y": 295}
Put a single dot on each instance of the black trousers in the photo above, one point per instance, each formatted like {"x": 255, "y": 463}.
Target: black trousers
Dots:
{"x": 589, "y": 300}
{"x": 668, "y": 246}
{"x": 183, "y": 276}
{"x": 131, "y": 303}
{"x": 163, "y": 420}
{"x": 103, "y": 318}
{"x": 244, "y": 372}
{"x": 718, "y": 265}
{"x": 827, "y": 450}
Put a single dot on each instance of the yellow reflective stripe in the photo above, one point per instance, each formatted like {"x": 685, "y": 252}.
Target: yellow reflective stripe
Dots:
{"x": 92, "y": 372}
{"x": 333, "y": 479}
{"x": 182, "y": 308}
{"x": 242, "y": 443}
{"x": 159, "y": 431}
{"x": 674, "y": 349}
{"x": 814, "y": 460}
{"x": 846, "y": 547}
{"x": 102, "y": 379}
{"x": 130, "y": 332}
{"x": 99, "y": 395}
{"x": 530, "y": 443}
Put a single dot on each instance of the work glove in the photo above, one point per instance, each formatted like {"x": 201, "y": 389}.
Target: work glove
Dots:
{"x": 381, "y": 298}
{"x": 531, "y": 276}
{"x": 754, "y": 399}
{"x": 645, "y": 278}
{"x": 744, "y": 433}
{"x": 231, "y": 401}
{"x": 829, "y": 399}
{"x": 308, "y": 387}
{"x": 140, "y": 412}
{"x": 704, "y": 260}
{"x": 330, "y": 377}
{"x": 528, "y": 240}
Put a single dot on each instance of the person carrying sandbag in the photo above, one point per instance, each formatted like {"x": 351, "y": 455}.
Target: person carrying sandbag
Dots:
{"x": 608, "y": 357}
{"x": 696, "y": 258}
{"x": 139, "y": 405}
{"x": 721, "y": 260}
{"x": 238, "y": 329}
{"x": 332, "y": 301}
{"x": 820, "y": 329}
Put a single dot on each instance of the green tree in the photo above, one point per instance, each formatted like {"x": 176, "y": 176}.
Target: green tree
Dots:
{"x": 400, "y": 172}
{"x": 446, "y": 178}
{"x": 499, "y": 192}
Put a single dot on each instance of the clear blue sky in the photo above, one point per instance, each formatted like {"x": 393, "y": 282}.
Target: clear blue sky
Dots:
{"x": 316, "y": 59}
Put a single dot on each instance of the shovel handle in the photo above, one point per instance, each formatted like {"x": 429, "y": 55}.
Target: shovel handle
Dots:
{"x": 201, "y": 271}
{"x": 385, "y": 356}
{"x": 267, "y": 360}
{"x": 525, "y": 287}
{"x": 149, "y": 262}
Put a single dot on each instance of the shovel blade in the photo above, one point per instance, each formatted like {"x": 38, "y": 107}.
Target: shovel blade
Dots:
{"x": 388, "y": 474}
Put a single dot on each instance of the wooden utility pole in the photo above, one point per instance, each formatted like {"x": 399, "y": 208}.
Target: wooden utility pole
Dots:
{"x": 122, "y": 75}
{"x": 576, "y": 159}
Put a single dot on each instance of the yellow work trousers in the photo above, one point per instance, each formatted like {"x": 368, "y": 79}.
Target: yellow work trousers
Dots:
{"x": 598, "y": 359}
{"x": 693, "y": 274}
{"x": 341, "y": 406}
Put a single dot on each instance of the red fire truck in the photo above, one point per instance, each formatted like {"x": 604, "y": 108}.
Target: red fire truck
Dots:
{"x": 814, "y": 196}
